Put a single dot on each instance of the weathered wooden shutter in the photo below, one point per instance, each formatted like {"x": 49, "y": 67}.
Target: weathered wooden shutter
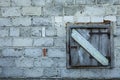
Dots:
{"x": 98, "y": 42}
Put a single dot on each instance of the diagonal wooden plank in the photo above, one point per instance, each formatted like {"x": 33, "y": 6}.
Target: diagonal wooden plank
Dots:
{"x": 89, "y": 48}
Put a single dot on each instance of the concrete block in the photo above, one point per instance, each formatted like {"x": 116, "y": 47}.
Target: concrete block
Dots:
{"x": 12, "y": 72}
{"x": 36, "y": 32}
{"x": 5, "y": 42}
{"x": 11, "y": 11}
{"x": 96, "y": 19}
{"x": 4, "y": 2}
{"x": 69, "y": 2}
{"x": 14, "y": 32}
{"x": 56, "y": 52}
{"x": 61, "y": 62}
{"x": 4, "y": 31}
{"x": 7, "y": 62}
{"x": 59, "y": 2}
{"x": 83, "y": 19}
{"x": 110, "y": 18}
{"x": 118, "y": 20}
{"x": 25, "y": 32}
{"x": 51, "y": 72}
{"x": 110, "y": 10}
{"x": 5, "y": 22}
{"x": 33, "y": 52}
{"x": 68, "y": 19}
{"x": 80, "y": 2}
{"x": 47, "y": 62}
{"x": 42, "y": 21}
{"x": 117, "y": 41}
{"x": 24, "y": 62}
{"x": 51, "y": 32}
{"x": 38, "y": 2}
{"x": 21, "y": 21}
{"x": 58, "y": 19}
{"x": 43, "y": 42}
{"x": 91, "y": 1}
{"x": 15, "y": 52}
{"x": 61, "y": 31}
{"x": 21, "y": 2}
{"x": 31, "y": 11}
{"x": 33, "y": 72}
{"x": 60, "y": 42}
{"x": 105, "y": 1}
{"x": 22, "y": 42}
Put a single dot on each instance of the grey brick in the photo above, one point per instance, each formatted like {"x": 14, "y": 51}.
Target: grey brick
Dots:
{"x": 111, "y": 10}
{"x": 38, "y": 2}
{"x": 16, "y": 52}
{"x": 51, "y": 32}
{"x": 69, "y": 2}
{"x": 60, "y": 42}
{"x": 105, "y": 1}
{"x": 5, "y": 42}
{"x": 80, "y": 1}
{"x": 22, "y": 42}
{"x": 42, "y": 21}
{"x": 59, "y": 2}
{"x": 91, "y": 1}
{"x": 117, "y": 41}
{"x": 36, "y": 32}
{"x": 14, "y": 32}
{"x": 60, "y": 62}
{"x": 25, "y": 32}
{"x": 51, "y": 72}
{"x": 118, "y": 10}
{"x": 33, "y": 52}
{"x": 43, "y": 42}
{"x": 21, "y": 2}
{"x": 116, "y": 2}
{"x": 11, "y": 11}
{"x": 7, "y": 62}
{"x": 53, "y": 10}
{"x": 56, "y": 52}
{"x": 21, "y": 21}
{"x": 118, "y": 20}
{"x": 4, "y": 31}
{"x": 12, "y": 72}
{"x": 24, "y": 62}
{"x": 33, "y": 72}
{"x": 5, "y": 22}
{"x": 31, "y": 11}
{"x": 4, "y": 2}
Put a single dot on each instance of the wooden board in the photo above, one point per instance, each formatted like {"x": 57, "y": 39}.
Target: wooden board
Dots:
{"x": 89, "y": 48}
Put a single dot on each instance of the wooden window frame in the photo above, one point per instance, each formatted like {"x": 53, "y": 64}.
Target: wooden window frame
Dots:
{"x": 104, "y": 25}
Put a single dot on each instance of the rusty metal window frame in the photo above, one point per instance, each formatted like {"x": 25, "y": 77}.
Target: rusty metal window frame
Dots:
{"x": 104, "y": 25}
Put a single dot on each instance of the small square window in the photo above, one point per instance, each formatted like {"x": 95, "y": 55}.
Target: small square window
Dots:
{"x": 89, "y": 45}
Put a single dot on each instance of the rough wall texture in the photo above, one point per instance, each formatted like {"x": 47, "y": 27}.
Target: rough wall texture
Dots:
{"x": 28, "y": 26}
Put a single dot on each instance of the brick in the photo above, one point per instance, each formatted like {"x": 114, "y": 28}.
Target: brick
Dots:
{"x": 43, "y": 32}
{"x": 105, "y": 1}
{"x": 51, "y": 32}
{"x": 14, "y": 32}
{"x": 80, "y": 1}
{"x": 33, "y": 72}
{"x": 24, "y": 62}
{"x": 4, "y": 31}
{"x": 96, "y": 19}
{"x": 47, "y": 62}
{"x": 117, "y": 41}
{"x": 4, "y": 2}
{"x": 116, "y": 2}
{"x": 53, "y": 10}
{"x": 21, "y": 2}
{"x": 61, "y": 31}
{"x": 38, "y": 2}
{"x": 91, "y": 1}
{"x": 12, "y": 72}
{"x": 22, "y": 42}
{"x": 117, "y": 32}
{"x": 118, "y": 10}
{"x": 11, "y": 11}
{"x": 110, "y": 10}
{"x": 56, "y": 52}
{"x": 5, "y": 42}
{"x": 59, "y": 2}
{"x": 58, "y": 19}
{"x": 5, "y": 22}
{"x": 43, "y": 42}
{"x": 42, "y": 21}
{"x": 21, "y": 21}
{"x": 51, "y": 72}
{"x": 7, "y": 62}
{"x": 111, "y": 18}
{"x": 31, "y": 11}
{"x": 61, "y": 62}
{"x": 118, "y": 20}
{"x": 83, "y": 19}
{"x": 16, "y": 52}
{"x": 33, "y": 52}
{"x": 25, "y": 32}
{"x": 60, "y": 42}
{"x": 68, "y": 19}
{"x": 36, "y": 32}
{"x": 69, "y": 2}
